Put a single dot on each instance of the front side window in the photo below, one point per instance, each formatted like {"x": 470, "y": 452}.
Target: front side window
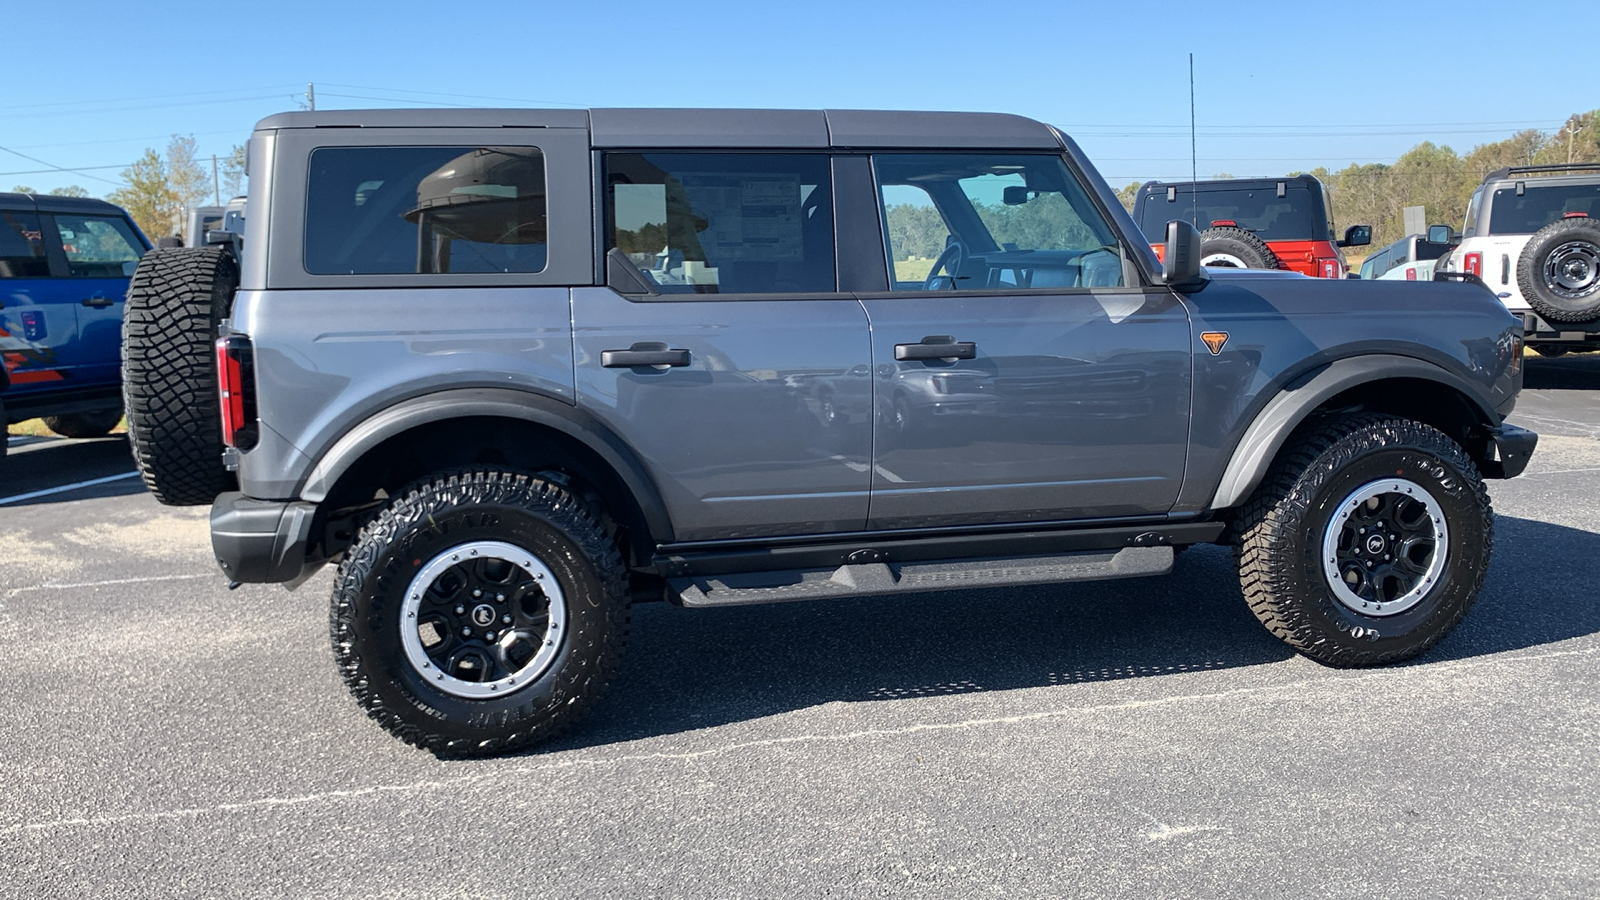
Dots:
{"x": 99, "y": 246}
{"x": 22, "y": 246}
{"x": 723, "y": 223}
{"x": 992, "y": 222}
{"x": 425, "y": 210}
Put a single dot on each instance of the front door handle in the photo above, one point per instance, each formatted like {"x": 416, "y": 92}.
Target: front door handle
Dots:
{"x": 936, "y": 346}
{"x": 98, "y": 302}
{"x": 644, "y": 353}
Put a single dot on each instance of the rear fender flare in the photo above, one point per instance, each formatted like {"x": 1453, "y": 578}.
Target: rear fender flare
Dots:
{"x": 1300, "y": 398}
{"x": 492, "y": 402}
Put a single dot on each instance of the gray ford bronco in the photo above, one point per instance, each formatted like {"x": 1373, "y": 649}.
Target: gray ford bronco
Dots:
{"x": 513, "y": 370}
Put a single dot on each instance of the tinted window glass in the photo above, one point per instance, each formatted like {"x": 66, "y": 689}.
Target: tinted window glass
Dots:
{"x": 400, "y": 210}
{"x": 99, "y": 246}
{"x": 22, "y": 246}
{"x": 1292, "y": 217}
{"x": 992, "y": 221}
{"x": 712, "y": 223}
{"x": 1539, "y": 206}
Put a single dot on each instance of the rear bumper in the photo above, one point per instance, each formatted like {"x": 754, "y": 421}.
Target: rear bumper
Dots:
{"x": 1537, "y": 331}
{"x": 1513, "y": 447}
{"x": 262, "y": 541}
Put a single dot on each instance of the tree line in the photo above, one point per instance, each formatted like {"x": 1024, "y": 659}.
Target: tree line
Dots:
{"x": 1436, "y": 178}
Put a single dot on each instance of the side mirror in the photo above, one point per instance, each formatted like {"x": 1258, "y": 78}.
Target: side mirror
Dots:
{"x": 1357, "y": 236}
{"x": 1440, "y": 234}
{"x": 1181, "y": 257}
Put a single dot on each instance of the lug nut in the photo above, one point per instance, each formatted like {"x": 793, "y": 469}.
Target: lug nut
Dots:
{"x": 460, "y": 610}
{"x": 467, "y": 632}
{"x": 477, "y": 592}
{"x": 505, "y": 620}
{"x": 490, "y": 635}
{"x": 499, "y": 598}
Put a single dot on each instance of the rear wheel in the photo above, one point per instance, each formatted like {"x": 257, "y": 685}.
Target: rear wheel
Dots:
{"x": 85, "y": 425}
{"x": 483, "y": 611}
{"x": 177, "y": 300}
{"x": 1367, "y": 541}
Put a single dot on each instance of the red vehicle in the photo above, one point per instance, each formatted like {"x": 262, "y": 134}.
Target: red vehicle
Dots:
{"x": 1253, "y": 223}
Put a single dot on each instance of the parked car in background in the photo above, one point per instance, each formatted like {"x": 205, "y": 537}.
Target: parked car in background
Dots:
{"x": 1532, "y": 234}
{"x": 64, "y": 269}
{"x": 1253, "y": 223}
{"x": 1411, "y": 258}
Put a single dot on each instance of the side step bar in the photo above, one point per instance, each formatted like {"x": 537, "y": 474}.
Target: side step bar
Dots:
{"x": 854, "y": 580}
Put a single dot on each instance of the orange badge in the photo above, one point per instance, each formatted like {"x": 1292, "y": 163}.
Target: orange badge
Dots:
{"x": 1214, "y": 340}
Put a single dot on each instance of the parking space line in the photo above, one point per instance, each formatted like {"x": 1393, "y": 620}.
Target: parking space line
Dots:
{"x": 1296, "y": 688}
{"x": 18, "y": 498}
{"x": 94, "y": 584}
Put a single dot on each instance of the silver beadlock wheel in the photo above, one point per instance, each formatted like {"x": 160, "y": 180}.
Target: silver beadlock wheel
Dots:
{"x": 482, "y": 619}
{"x": 1385, "y": 547}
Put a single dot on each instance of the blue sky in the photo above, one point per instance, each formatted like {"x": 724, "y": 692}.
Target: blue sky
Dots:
{"x": 1279, "y": 86}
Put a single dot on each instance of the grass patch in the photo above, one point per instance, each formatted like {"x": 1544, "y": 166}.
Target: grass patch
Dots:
{"x": 37, "y": 428}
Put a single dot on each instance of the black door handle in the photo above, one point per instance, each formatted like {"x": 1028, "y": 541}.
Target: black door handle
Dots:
{"x": 644, "y": 353}
{"x": 98, "y": 302}
{"x": 937, "y": 346}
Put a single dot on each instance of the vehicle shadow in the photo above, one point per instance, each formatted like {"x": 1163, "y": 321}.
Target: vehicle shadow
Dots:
{"x": 1573, "y": 372}
{"x": 50, "y": 463}
{"x": 692, "y": 669}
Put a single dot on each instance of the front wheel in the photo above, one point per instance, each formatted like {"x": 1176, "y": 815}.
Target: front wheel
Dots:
{"x": 1367, "y": 542}
{"x": 482, "y": 612}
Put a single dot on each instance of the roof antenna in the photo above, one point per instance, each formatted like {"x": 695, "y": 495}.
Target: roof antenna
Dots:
{"x": 1194, "y": 163}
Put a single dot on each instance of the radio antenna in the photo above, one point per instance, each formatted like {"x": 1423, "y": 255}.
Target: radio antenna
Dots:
{"x": 1194, "y": 161}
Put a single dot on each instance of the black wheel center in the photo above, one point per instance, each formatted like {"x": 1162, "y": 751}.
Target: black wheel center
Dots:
{"x": 1375, "y": 544}
{"x": 483, "y": 615}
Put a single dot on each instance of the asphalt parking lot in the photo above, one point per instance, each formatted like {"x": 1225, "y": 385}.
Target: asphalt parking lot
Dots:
{"x": 165, "y": 737}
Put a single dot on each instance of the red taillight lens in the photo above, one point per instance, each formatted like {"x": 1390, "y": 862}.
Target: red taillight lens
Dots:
{"x": 1472, "y": 264}
{"x": 235, "y": 387}
{"x": 1224, "y": 223}
{"x": 1330, "y": 268}
{"x": 1411, "y": 274}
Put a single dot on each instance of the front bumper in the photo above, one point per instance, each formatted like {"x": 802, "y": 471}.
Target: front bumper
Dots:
{"x": 1513, "y": 447}
{"x": 262, "y": 541}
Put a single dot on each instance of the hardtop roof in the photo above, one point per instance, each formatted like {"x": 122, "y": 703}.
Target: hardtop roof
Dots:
{"x": 51, "y": 203}
{"x": 724, "y": 128}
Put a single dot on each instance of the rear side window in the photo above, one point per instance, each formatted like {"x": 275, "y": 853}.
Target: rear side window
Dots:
{"x": 99, "y": 246}
{"x": 1539, "y": 206}
{"x": 22, "y": 246}
{"x": 721, "y": 223}
{"x": 422, "y": 210}
{"x": 1292, "y": 217}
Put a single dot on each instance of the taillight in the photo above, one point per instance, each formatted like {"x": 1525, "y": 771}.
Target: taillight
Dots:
{"x": 236, "y": 391}
{"x": 1224, "y": 223}
{"x": 1472, "y": 264}
{"x": 1411, "y": 274}
{"x": 1330, "y": 268}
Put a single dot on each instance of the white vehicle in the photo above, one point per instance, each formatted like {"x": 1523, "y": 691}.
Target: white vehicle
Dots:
{"x": 1411, "y": 258}
{"x": 1532, "y": 234}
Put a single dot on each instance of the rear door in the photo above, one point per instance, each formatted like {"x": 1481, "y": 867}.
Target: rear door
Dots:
{"x": 38, "y": 318}
{"x": 718, "y": 376}
{"x": 1020, "y": 374}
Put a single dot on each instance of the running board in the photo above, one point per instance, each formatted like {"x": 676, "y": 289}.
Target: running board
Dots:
{"x": 901, "y": 578}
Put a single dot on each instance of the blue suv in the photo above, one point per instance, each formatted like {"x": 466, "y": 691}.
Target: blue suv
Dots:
{"x": 64, "y": 269}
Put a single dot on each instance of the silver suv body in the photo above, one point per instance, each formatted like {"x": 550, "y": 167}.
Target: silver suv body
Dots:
{"x": 769, "y": 355}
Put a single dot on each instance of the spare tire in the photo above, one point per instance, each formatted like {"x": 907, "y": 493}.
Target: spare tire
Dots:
{"x": 1559, "y": 270}
{"x": 176, "y": 301}
{"x": 1235, "y": 248}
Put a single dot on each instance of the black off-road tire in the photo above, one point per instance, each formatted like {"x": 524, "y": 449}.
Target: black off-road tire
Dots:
{"x": 1280, "y": 533}
{"x": 429, "y": 521}
{"x": 176, "y": 301}
{"x": 85, "y": 425}
{"x": 1550, "y": 351}
{"x": 1236, "y": 248}
{"x": 1559, "y": 270}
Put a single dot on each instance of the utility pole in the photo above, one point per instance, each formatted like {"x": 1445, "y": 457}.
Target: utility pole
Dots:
{"x": 311, "y": 96}
{"x": 216, "y": 184}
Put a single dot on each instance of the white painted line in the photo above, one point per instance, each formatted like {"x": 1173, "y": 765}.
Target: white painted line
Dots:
{"x": 66, "y": 487}
{"x": 95, "y": 584}
{"x": 1296, "y": 690}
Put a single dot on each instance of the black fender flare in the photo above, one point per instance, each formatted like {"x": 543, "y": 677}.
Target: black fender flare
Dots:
{"x": 1300, "y": 397}
{"x": 501, "y": 403}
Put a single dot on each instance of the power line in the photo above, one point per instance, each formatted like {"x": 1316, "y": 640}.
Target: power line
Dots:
{"x": 146, "y": 97}
{"x": 117, "y": 109}
{"x": 358, "y": 87}
{"x": 58, "y": 168}
{"x": 75, "y": 169}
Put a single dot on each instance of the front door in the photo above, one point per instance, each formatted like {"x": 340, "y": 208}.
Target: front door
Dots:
{"x": 733, "y": 376}
{"x": 1018, "y": 375}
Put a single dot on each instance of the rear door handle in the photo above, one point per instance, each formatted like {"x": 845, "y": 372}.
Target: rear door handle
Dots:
{"x": 644, "y": 353}
{"x": 937, "y": 346}
{"x": 98, "y": 302}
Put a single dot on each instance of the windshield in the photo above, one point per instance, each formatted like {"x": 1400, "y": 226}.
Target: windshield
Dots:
{"x": 1292, "y": 217}
{"x": 1539, "y": 206}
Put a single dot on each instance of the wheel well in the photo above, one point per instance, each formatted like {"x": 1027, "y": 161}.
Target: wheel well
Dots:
{"x": 386, "y": 469}
{"x": 1429, "y": 402}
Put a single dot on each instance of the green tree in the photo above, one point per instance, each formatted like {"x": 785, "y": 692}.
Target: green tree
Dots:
{"x": 1128, "y": 194}
{"x": 232, "y": 174}
{"x": 23, "y": 189}
{"x": 160, "y": 189}
{"x": 70, "y": 190}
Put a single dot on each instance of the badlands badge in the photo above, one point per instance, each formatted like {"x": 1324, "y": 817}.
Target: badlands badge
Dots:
{"x": 1214, "y": 340}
